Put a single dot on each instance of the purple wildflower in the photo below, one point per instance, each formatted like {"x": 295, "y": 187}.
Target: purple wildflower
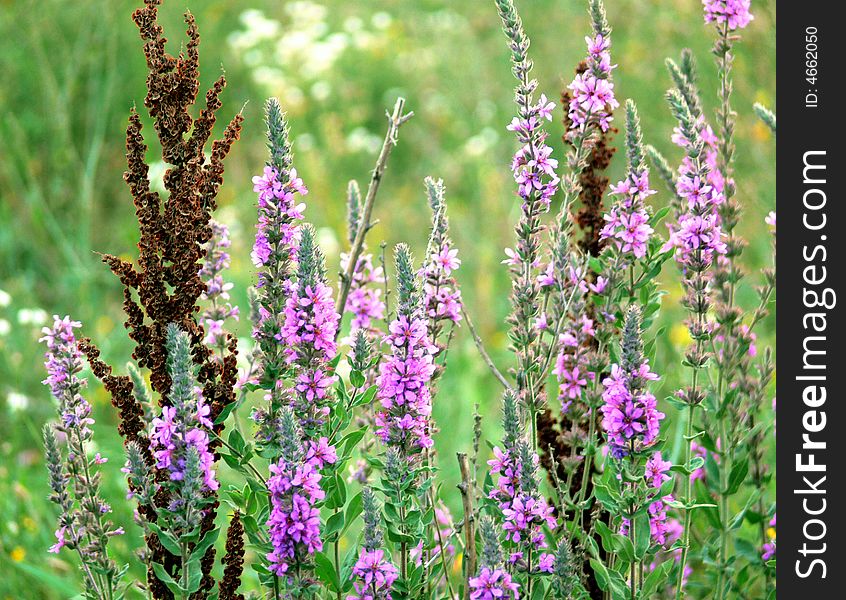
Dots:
{"x": 592, "y": 93}
{"x": 217, "y": 290}
{"x": 365, "y": 301}
{"x": 294, "y": 486}
{"x": 441, "y": 296}
{"x": 733, "y": 12}
{"x": 74, "y": 476}
{"x": 493, "y": 584}
{"x": 375, "y": 575}
{"x": 630, "y": 414}
{"x": 403, "y": 379}
{"x": 182, "y": 427}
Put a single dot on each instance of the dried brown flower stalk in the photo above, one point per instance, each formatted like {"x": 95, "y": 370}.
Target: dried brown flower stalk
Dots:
{"x": 165, "y": 284}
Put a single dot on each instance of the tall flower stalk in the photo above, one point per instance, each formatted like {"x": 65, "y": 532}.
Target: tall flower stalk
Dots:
{"x": 734, "y": 338}
{"x": 534, "y": 172}
{"x": 74, "y": 473}
{"x": 697, "y": 240}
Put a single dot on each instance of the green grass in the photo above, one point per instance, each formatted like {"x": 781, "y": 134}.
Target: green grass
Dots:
{"x": 77, "y": 68}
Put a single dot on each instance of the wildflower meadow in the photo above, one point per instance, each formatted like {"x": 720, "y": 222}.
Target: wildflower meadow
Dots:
{"x": 387, "y": 300}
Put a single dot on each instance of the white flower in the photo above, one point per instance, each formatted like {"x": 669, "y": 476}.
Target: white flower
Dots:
{"x": 32, "y": 316}
{"x": 17, "y": 401}
{"x": 5, "y": 327}
{"x": 5, "y": 298}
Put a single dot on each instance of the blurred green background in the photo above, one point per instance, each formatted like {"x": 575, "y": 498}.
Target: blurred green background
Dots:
{"x": 72, "y": 70}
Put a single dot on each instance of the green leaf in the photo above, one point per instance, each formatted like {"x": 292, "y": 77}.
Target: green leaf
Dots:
{"x": 334, "y": 524}
{"x": 603, "y": 494}
{"x": 642, "y": 535}
{"x": 739, "y": 471}
{"x": 225, "y": 412}
{"x": 325, "y": 570}
{"x": 167, "y": 539}
{"x": 655, "y": 579}
{"x": 539, "y": 591}
{"x": 356, "y": 379}
{"x": 203, "y": 545}
{"x": 659, "y": 216}
{"x": 236, "y": 440}
{"x": 609, "y": 581}
{"x": 606, "y": 535}
{"x": 695, "y": 463}
{"x": 353, "y": 510}
{"x": 366, "y": 397}
{"x": 163, "y": 576}
{"x": 350, "y": 440}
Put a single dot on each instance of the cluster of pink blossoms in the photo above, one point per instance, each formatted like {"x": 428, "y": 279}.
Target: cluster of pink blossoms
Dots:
{"x": 217, "y": 290}
{"x": 403, "y": 386}
{"x": 571, "y": 367}
{"x": 734, "y": 12}
{"x": 533, "y": 166}
{"x": 278, "y": 214}
{"x": 630, "y": 412}
{"x": 294, "y": 522}
{"x": 375, "y": 576}
{"x": 627, "y": 224}
{"x": 179, "y": 428}
{"x": 593, "y": 99}
{"x": 656, "y": 474}
{"x": 524, "y": 513}
{"x": 662, "y": 529}
{"x": 442, "y": 298}
{"x": 308, "y": 334}
{"x": 493, "y": 584}
{"x": 63, "y": 361}
{"x": 365, "y": 301}
{"x": 698, "y": 232}
{"x": 310, "y": 322}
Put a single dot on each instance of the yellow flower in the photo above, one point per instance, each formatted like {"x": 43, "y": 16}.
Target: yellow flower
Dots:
{"x": 18, "y": 554}
{"x": 761, "y": 132}
{"x": 679, "y": 335}
{"x": 456, "y": 564}
{"x": 771, "y": 533}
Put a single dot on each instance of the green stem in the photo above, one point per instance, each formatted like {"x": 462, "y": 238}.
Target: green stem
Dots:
{"x": 687, "y": 495}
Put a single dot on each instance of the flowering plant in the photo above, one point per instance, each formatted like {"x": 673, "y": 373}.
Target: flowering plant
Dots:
{"x": 584, "y": 496}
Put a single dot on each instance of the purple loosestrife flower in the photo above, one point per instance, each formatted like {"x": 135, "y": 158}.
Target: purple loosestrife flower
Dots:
{"x": 294, "y": 486}
{"x": 274, "y": 253}
{"x": 505, "y": 462}
{"x": 663, "y": 530}
{"x": 180, "y": 435}
{"x": 697, "y": 237}
{"x": 631, "y": 418}
{"x": 769, "y": 548}
{"x": 627, "y": 224}
{"x": 733, "y": 12}
{"x": 592, "y": 92}
{"x": 376, "y": 575}
{"x": 217, "y": 290}
{"x": 571, "y": 364}
{"x": 442, "y": 298}
{"x": 406, "y": 402}
{"x": 492, "y": 582}
{"x": 533, "y": 166}
{"x": 373, "y": 572}
{"x": 524, "y": 510}
{"x": 365, "y": 301}
{"x": 75, "y": 477}
{"x": 308, "y": 333}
